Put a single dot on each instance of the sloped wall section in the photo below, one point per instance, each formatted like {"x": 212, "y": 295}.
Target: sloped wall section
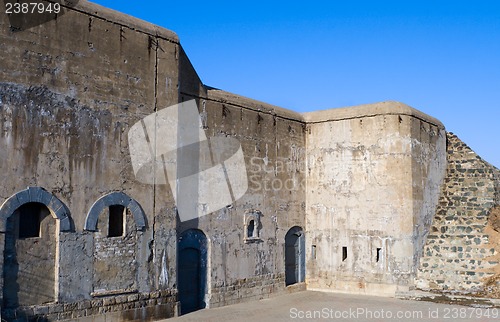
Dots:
{"x": 462, "y": 248}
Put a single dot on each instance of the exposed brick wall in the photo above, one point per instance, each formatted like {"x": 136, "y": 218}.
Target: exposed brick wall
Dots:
{"x": 253, "y": 288}
{"x": 115, "y": 258}
{"x": 126, "y": 307}
{"x": 459, "y": 254}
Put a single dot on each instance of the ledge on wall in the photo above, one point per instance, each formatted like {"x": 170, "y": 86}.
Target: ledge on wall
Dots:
{"x": 125, "y": 20}
{"x": 375, "y": 109}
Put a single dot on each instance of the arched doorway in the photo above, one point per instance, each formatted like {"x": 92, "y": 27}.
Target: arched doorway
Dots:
{"x": 31, "y": 221}
{"x": 192, "y": 270}
{"x": 29, "y": 257}
{"x": 294, "y": 256}
{"x": 116, "y": 220}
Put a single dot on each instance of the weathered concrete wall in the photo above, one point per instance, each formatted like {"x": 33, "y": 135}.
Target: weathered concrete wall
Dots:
{"x": 67, "y": 101}
{"x": 30, "y": 263}
{"x": 69, "y": 91}
{"x": 428, "y": 167}
{"x": 273, "y": 143}
{"x": 367, "y": 209}
{"x": 365, "y": 178}
{"x": 462, "y": 249}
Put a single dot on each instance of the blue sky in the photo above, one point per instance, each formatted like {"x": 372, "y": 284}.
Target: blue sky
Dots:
{"x": 441, "y": 57}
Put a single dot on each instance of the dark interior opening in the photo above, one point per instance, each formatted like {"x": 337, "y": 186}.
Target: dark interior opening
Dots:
{"x": 250, "y": 228}
{"x": 379, "y": 251}
{"x": 344, "y": 253}
{"x": 29, "y": 219}
{"x": 116, "y": 220}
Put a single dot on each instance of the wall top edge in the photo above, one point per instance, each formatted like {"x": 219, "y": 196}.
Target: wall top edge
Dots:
{"x": 120, "y": 18}
{"x": 335, "y": 114}
{"x": 230, "y": 98}
{"x": 368, "y": 110}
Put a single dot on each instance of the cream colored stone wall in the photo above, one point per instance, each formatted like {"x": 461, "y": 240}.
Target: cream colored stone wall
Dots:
{"x": 367, "y": 167}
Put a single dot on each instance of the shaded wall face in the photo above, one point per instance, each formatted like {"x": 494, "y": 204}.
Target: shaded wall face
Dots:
{"x": 429, "y": 161}
{"x": 115, "y": 255}
{"x": 273, "y": 149}
{"x": 360, "y": 210}
{"x": 30, "y": 261}
{"x": 67, "y": 101}
{"x": 69, "y": 92}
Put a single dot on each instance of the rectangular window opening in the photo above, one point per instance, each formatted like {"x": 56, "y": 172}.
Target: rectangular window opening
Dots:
{"x": 29, "y": 220}
{"x": 251, "y": 229}
{"x": 116, "y": 220}
{"x": 378, "y": 255}
{"x": 313, "y": 251}
{"x": 344, "y": 253}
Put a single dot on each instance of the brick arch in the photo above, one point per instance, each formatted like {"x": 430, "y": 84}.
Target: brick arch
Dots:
{"x": 115, "y": 198}
{"x": 57, "y": 208}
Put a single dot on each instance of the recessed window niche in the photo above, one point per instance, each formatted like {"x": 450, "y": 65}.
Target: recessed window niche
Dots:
{"x": 252, "y": 226}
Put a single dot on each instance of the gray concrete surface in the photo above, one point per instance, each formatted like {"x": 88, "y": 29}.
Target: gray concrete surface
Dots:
{"x": 319, "y": 306}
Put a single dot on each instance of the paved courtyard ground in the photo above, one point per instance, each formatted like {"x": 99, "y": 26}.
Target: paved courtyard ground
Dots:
{"x": 318, "y": 306}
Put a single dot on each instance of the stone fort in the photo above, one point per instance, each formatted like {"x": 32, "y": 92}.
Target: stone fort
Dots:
{"x": 373, "y": 199}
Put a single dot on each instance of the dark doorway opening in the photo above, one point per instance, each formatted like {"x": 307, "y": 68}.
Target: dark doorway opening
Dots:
{"x": 294, "y": 256}
{"x": 192, "y": 270}
{"x": 29, "y": 257}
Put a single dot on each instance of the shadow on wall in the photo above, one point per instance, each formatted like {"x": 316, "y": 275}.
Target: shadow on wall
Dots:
{"x": 29, "y": 257}
{"x": 31, "y": 221}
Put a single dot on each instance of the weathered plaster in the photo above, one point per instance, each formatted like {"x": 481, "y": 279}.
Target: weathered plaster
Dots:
{"x": 366, "y": 178}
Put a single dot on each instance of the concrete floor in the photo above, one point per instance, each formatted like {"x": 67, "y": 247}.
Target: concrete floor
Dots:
{"x": 318, "y": 306}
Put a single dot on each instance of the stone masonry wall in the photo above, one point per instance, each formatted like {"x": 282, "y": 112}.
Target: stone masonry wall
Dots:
{"x": 109, "y": 255}
{"x": 460, "y": 252}
{"x": 125, "y": 307}
{"x": 69, "y": 91}
{"x": 254, "y": 288}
